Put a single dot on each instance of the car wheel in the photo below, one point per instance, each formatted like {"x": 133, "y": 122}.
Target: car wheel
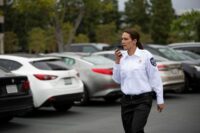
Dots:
{"x": 85, "y": 98}
{"x": 187, "y": 84}
{"x": 110, "y": 99}
{"x": 5, "y": 119}
{"x": 62, "y": 107}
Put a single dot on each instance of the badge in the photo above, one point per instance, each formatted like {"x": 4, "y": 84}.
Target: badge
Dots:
{"x": 153, "y": 61}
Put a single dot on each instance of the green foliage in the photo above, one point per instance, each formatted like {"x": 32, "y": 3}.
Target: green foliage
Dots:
{"x": 36, "y": 41}
{"x": 66, "y": 28}
{"x": 109, "y": 12}
{"x": 81, "y": 38}
{"x": 46, "y": 25}
{"x": 137, "y": 14}
{"x": 106, "y": 33}
{"x": 98, "y": 12}
{"x": 197, "y": 24}
{"x": 24, "y": 15}
{"x": 50, "y": 40}
{"x": 144, "y": 37}
{"x": 186, "y": 27}
{"x": 162, "y": 16}
{"x": 10, "y": 42}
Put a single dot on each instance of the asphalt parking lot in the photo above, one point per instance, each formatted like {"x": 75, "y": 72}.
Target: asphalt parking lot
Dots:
{"x": 180, "y": 116}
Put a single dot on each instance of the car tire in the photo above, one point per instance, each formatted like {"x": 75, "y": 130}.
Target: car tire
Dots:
{"x": 187, "y": 84}
{"x": 85, "y": 98}
{"x": 111, "y": 99}
{"x": 62, "y": 107}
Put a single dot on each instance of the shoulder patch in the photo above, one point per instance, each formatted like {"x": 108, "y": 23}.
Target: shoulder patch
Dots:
{"x": 153, "y": 61}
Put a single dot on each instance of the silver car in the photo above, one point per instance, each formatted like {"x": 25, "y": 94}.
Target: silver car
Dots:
{"x": 171, "y": 72}
{"x": 96, "y": 74}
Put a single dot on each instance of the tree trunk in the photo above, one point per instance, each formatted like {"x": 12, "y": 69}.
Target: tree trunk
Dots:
{"x": 59, "y": 35}
{"x": 73, "y": 31}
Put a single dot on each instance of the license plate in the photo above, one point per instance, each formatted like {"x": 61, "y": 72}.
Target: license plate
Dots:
{"x": 174, "y": 71}
{"x": 11, "y": 89}
{"x": 67, "y": 81}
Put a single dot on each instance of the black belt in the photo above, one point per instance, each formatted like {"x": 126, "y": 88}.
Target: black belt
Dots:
{"x": 138, "y": 96}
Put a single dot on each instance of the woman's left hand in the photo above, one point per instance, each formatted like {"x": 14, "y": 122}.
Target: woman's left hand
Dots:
{"x": 160, "y": 107}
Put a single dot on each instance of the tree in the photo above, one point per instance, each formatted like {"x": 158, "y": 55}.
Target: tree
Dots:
{"x": 162, "y": 16}
{"x": 23, "y": 15}
{"x": 11, "y": 42}
{"x": 137, "y": 14}
{"x": 81, "y": 38}
{"x": 37, "y": 41}
{"x": 50, "y": 40}
{"x": 106, "y": 33}
{"x": 83, "y": 16}
{"x": 197, "y": 24}
{"x": 186, "y": 27}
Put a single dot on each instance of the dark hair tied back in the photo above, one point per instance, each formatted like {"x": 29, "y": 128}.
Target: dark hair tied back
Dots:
{"x": 135, "y": 35}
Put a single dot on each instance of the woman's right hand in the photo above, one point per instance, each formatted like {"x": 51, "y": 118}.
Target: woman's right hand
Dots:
{"x": 118, "y": 56}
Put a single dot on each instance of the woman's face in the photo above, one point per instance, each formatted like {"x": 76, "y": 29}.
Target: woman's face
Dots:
{"x": 127, "y": 42}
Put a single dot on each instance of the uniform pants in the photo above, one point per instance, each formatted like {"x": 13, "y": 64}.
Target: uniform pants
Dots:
{"x": 135, "y": 111}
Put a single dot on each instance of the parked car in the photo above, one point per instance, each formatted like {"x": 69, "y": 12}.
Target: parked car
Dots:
{"x": 171, "y": 72}
{"x": 85, "y": 47}
{"x": 190, "y": 66}
{"x": 51, "y": 82}
{"x": 15, "y": 95}
{"x": 189, "y": 46}
{"x": 96, "y": 74}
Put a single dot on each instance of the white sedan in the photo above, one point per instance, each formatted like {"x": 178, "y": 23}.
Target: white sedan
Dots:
{"x": 51, "y": 82}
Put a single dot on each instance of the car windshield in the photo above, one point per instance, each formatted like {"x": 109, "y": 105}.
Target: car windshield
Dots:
{"x": 52, "y": 64}
{"x": 97, "y": 60}
{"x": 190, "y": 54}
{"x": 173, "y": 55}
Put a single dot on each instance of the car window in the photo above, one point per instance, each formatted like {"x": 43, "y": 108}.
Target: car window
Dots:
{"x": 53, "y": 64}
{"x": 152, "y": 51}
{"x": 82, "y": 48}
{"x": 97, "y": 60}
{"x": 89, "y": 49}
{"x": 173, "y": 55}
{"x": 69, "y": 61}
{"x": 190, "y": 54}
{"x": 9, "y": 64}
{"x": 76, "y": 48}
{"x": 110, "y": 56}
{"x": 2, "y": 72}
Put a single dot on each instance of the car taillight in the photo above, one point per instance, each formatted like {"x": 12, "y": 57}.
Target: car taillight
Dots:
{"x": 45, "y": 76}
{"x": 162, "y": 67}
{"x": 25, "y": 85}
{"x": 103, "y": 71}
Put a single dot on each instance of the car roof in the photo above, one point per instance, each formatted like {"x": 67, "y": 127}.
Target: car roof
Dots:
{"x": 104, "y": 52}
{"x": 69, "y": 54}
{"x": 184, "y": 44}
{"x": 156, "y": 45}
{"x": 77, "y": 44}
{"x": 22, "y": 58}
